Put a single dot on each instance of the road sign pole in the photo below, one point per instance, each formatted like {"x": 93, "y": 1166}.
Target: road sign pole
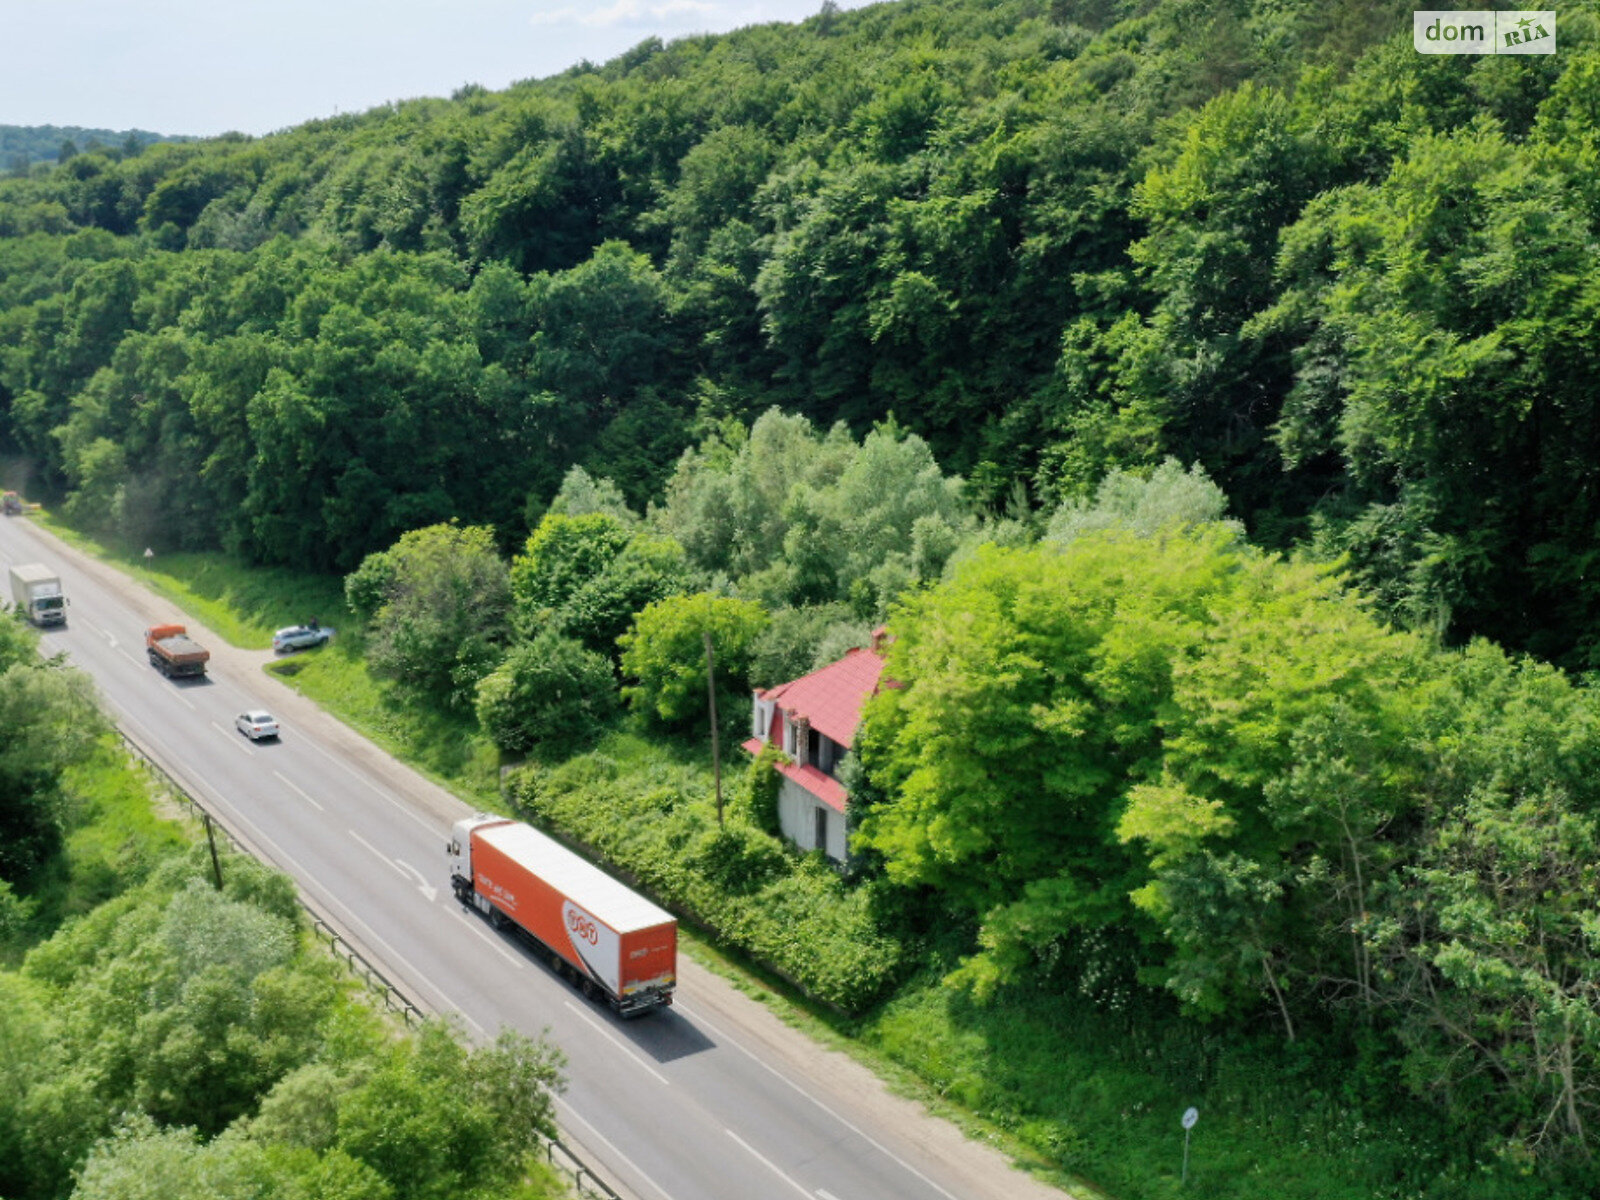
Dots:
{"x": 1190, "y": 1116}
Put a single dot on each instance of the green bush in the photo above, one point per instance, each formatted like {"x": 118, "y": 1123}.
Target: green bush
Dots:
{"x": 548, "y": 691}
{"x": 561, "y": 556}
{"x": 792, "y": 913}
{"x": 738, "y": 859}
{"x": 755, "y": 799}
{"x": 437, "y": 604}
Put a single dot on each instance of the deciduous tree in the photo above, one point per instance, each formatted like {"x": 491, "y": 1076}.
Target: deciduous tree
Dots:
{"x": 438, "y": 606}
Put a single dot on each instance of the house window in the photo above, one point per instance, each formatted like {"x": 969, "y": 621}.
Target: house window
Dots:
{"x": 829, "y": 755}
{"x": 789, "y": 740}
{"x": 822, "y": 829}
{"x": 814, "y": 744}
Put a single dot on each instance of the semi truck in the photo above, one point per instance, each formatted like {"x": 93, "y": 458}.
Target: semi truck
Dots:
{"x": 174, "y": 653}
{"x": 597, "y": 932}
{"x": 36, "y": 590}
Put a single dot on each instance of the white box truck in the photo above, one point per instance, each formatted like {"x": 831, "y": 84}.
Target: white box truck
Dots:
{"x": 36, "y": 590}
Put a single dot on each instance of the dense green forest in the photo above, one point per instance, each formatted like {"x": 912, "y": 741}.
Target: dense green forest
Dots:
{"x": 1200, "y": 393}
{"x": 1355, "y": 283}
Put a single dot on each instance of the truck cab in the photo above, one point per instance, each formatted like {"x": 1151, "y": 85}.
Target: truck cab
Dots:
{"x": 459, "y": 849}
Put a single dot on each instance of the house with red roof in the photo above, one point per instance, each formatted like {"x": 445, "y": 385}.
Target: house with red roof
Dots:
{"x": 813, "y": 720}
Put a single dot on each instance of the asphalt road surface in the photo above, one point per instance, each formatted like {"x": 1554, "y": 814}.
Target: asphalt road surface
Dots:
{"x": 714, "y": 1099}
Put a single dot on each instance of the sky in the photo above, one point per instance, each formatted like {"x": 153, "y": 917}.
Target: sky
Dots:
{"x": 205, "y": 67}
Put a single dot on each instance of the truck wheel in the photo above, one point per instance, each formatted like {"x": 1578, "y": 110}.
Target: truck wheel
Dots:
{"x": 587, "y": 988}
{"x": 497, "y": 918}
{"x": 559, "y": 963}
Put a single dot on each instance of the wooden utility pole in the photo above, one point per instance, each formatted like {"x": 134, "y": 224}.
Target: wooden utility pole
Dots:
{"x": 716, "y": 753}
{"x": 211, "y": 840}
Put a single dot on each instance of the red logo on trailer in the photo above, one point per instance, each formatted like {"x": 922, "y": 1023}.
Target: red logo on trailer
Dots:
{"x": 581, "y": 925}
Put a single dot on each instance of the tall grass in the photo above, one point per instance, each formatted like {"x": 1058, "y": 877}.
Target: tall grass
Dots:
{"x": 1100, "y": 1095}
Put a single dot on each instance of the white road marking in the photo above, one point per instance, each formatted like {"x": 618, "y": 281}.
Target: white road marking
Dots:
{"x": 360, "y": 778}
{"x": 615, "y": 1041}
{"x": 233, "y": 739}
{"x": 426, "y": 888}
{"x": 477, "y": 927}
{"x": 826, "y": 1194}
{"x": 406, "y": 870}
{"x": 376, "y": 851}
{"x": 105, "y": 633}
{"x": 768, "y": 1163}
{"x": 184, "y": 700}
{"x": 618, "y": 1155}
{"x": 848, "y": 1124}
{"x": 297, "y": 791}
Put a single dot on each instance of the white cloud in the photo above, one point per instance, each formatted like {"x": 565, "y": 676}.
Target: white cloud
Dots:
{"x": 623, "y": 12}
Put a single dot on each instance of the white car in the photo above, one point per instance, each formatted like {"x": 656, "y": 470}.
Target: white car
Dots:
{"x": 257, "y": 724}
{"x": 300, "y": 637}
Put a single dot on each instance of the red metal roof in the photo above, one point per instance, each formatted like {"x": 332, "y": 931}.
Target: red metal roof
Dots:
{"x": 831, "y": 699}
{"x": 824, "y": 787}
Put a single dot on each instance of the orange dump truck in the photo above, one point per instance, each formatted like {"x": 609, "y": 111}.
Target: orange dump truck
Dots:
{"x": 173, "y": 653}
{"x": 595, "y": 931}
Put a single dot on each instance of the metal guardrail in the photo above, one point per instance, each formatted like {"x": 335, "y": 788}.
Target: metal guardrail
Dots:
{"x": 394, "y": 1000}
{"x": 557, "y": 1153}
{"x": 561, "y": 1158}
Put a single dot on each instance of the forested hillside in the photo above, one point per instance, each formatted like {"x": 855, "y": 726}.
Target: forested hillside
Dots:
{"x": 21, "y": 146}
{"x": 1356, "y": 283}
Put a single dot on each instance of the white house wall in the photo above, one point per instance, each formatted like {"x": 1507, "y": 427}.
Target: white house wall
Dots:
{"x": 796, "y": 818}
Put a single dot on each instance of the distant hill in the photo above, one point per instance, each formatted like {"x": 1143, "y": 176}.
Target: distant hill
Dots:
{"x": 23, "y": 145}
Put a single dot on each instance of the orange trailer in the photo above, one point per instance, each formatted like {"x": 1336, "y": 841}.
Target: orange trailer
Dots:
{"x": 596, "y": 931}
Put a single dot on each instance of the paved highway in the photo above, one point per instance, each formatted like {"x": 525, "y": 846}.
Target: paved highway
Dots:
{"x": 712, "y": 1100}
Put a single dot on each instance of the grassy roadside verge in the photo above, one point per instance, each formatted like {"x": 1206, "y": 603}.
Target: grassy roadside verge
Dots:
{"x": 446, "y": 747}
{"x": 1069, "y": 1091}
{"x": 243, "y": 605}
